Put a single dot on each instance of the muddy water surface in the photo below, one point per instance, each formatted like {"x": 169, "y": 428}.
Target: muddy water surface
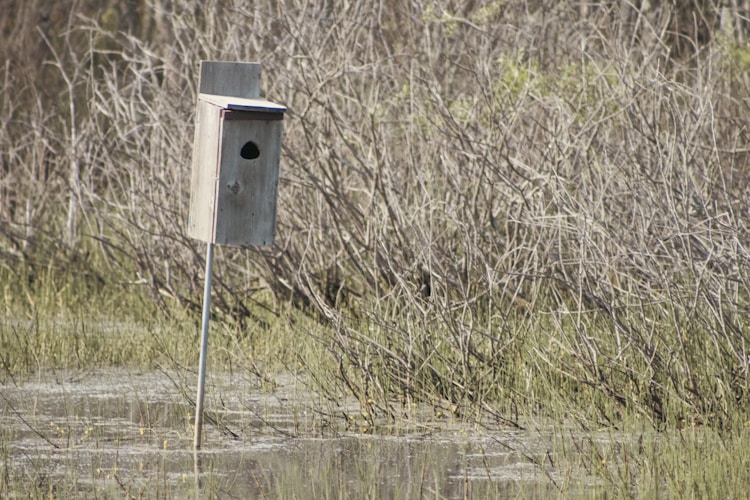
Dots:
{"x": 130, "y": 434}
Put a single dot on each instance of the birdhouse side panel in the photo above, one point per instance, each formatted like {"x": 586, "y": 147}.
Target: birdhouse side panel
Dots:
{"x": 248, "y": 183}
{"x": 206, "y": 149}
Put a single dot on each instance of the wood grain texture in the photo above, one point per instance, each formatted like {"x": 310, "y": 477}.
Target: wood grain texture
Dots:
{"x": 205, "y": 172}
{"x": 247, "y": 191}
{"x": 234, "y": 79}
{"x": 236, "y": 155}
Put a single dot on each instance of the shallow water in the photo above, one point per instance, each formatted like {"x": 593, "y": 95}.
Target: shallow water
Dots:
{"x": 125, "y": 433}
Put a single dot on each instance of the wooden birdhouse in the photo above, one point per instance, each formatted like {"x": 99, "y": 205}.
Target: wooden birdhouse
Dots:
{"x": 236, "y": 154}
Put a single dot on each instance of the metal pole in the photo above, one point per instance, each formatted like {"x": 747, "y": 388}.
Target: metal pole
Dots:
{"x": 204, "y": 347}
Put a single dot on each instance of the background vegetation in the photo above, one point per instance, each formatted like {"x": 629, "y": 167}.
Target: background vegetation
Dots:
{"x": 500, "y": 207}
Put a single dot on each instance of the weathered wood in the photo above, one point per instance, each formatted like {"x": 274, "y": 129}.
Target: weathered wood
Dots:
{"x": 235, "y": 159}
{"x": 240, "y": 104}
{"x": 234, "y": 79}
{"x": 248, "y": 187}
{"x": 205, "y": 173}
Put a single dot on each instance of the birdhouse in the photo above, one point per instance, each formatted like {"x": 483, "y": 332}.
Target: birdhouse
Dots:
{"x": 236, "y": 154}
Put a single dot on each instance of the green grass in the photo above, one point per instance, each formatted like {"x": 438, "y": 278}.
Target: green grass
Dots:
{"x": 551, "y": 363}
{"x": 634, "y": 456}
{"x": 59, "y": 316}
{"x": 694, "y": 462}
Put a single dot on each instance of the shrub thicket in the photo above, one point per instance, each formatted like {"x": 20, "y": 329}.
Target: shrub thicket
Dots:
{"x": 496, "y": 204}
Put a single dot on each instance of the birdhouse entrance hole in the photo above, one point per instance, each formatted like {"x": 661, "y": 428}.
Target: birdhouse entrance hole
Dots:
{"x": 250, "y": 151}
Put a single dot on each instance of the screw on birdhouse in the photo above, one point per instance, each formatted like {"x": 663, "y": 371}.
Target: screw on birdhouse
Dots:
{"x": 232, "y": 197}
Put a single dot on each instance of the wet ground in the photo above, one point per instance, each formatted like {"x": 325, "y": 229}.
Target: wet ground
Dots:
{"x": 130, "y": 434}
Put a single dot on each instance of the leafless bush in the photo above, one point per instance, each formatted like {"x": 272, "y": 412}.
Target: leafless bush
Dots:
{"x": 477, "y": 196}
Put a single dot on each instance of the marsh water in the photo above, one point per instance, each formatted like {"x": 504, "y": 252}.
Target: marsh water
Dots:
{"x": 131, "y": 434}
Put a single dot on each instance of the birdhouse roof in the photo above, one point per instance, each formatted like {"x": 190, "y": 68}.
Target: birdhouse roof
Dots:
{"x": 242, "y": 104}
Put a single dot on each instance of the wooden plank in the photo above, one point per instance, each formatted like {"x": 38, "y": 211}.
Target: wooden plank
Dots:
{"x": 235, "y": 79}
{"x": 240, "y": 104}
{"x": 204, "y": 172}
{"x": 248, "y": 187}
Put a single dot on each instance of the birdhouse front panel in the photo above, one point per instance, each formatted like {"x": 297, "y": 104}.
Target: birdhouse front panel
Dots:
{"x": 248, "y": 178}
